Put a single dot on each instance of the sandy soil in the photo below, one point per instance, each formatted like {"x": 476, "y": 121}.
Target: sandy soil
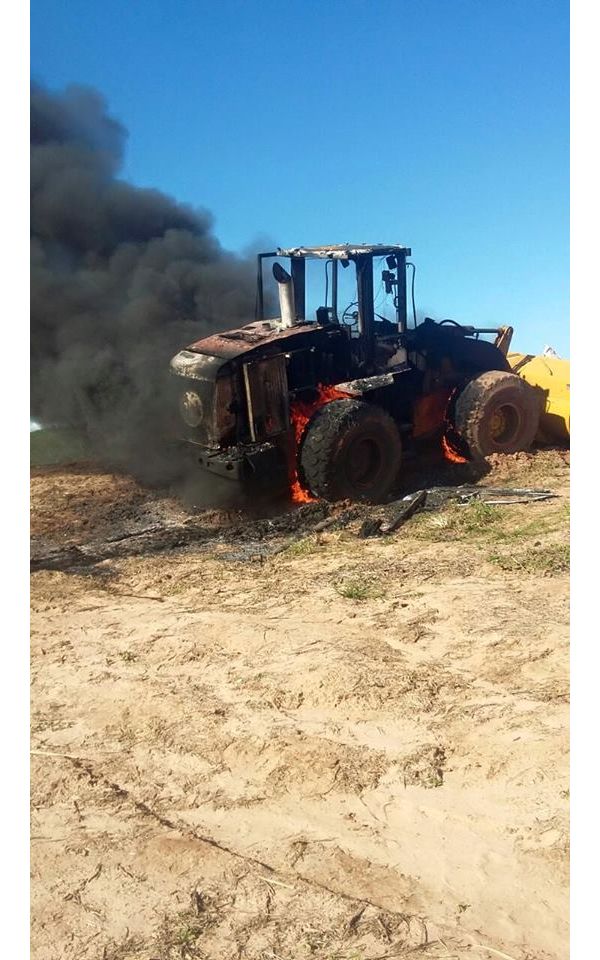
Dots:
{"x": 351, "y": 749}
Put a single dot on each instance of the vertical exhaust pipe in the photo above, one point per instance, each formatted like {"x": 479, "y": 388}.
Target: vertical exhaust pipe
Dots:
{"x": 287, "y": 305}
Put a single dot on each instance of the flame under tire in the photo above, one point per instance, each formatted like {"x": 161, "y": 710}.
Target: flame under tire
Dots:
{"x": 350, "y": 450}
{"x": 497, "y": 412}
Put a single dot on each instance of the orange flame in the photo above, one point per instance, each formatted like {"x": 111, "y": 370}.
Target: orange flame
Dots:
{"x": 450, "y": 440}
{"x": 301, "y": 412}
{"x": 450, "y": 453}
{"x": 298, "y": 494}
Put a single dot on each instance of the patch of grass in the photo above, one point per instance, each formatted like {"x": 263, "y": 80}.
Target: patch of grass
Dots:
{"x": 180, "y": 934}
{"x": 56, "y": 445}
{"x": 536, "y": 526}
{"x": 425, "y": 768}
{"x": 531, "y": 529}
{"x": 472, "y": 521}
{"x": 127, "y": 735}
{"x": 476, "y": 517}
{"x": 487, "y": 522}
{"x": 548, "y": 560}
{"x": 187, "y": 934}
{"x": 129, "y": 949}
{"x": 302, "y": 548}
{"x": 359, "y": 590}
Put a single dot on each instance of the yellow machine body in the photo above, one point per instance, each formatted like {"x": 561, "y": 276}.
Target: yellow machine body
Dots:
{"x": 551, "y": 378}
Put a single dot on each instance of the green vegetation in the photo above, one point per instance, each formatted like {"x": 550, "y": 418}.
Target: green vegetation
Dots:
{"x": 180, "y": 934}
{"x": 474, "y": 520}
{"x": 128, "y": 656}
{"x": 302, "y": 548}
{"x": 536, "y": 526}
{"x": 549, "y": 560}
{"x": 359, "y": 590}
{"x": 486, "y": 522}
{"x": 530, "y": 539}
{"x": 187, "y": 935}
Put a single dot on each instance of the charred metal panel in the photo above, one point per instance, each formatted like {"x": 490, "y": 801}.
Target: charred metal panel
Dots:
{"x": 365, "y": 384}
{"x": 330, "y": 341}
{"x": 196, "y": 366}
{"x": 301, "y": 369}
{"x": 225, "y": 410}
{"x": 206, "y": 397}
{"x": 429, "y": 412}
{"x": 299, "y": 280}
{"x": 196, "y": 404}
{"x": 235, "y": 343}
{"x": 366, "y": 316}
{"x": 267, "y": 397}
{"x": 327, "y": 360}
{"x": 401, "y": 314}
{"x": 440, "y": 342}
{"x": 249, "y": 462}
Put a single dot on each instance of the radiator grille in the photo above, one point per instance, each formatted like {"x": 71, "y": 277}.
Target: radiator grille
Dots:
{"x": 267, "y": 397}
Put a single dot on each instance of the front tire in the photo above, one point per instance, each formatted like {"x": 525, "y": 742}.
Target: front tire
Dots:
{"x": 497, "y": 412}
{"x": 350, "y": 451}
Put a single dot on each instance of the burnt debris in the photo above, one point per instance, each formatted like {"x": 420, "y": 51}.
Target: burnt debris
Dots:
{"x": 247, "y": 538}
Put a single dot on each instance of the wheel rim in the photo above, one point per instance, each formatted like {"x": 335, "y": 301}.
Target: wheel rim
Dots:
{"x": 504, "y": 423}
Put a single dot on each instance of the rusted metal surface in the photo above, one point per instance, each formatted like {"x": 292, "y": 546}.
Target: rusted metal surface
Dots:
{"x": 429, "y": 412}
{"x": 267, "y": 397}
{"x": 237, "y": 342}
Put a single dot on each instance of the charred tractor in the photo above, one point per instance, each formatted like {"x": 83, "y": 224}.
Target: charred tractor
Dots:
{"x": 324, "y": 400}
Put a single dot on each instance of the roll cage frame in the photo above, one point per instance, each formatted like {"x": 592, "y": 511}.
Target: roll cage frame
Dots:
{"x": 362, "y": 256}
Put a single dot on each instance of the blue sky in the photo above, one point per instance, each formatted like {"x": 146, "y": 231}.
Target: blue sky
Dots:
{"x": 441, "y": 125}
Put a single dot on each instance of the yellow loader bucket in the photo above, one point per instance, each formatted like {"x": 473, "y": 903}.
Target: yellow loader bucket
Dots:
{"x": 551, "y": 378}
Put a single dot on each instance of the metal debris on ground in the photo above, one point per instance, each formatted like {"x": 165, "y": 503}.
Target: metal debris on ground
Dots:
{"x": 257, "y": 539}
{"x": 434, "y": 498}
{"x": 404, "y": 509}
{"x": 465, "y": 494}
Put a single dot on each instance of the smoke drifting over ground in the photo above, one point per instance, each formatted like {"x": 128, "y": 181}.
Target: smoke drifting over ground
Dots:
{"x": 121, "y": 278}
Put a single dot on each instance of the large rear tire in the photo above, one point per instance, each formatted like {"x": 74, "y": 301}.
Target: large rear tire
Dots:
{"x": 350, "y": 451}
{"x": 497, "y": 412}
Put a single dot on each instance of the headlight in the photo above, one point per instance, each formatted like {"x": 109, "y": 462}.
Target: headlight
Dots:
{"x": 190, "y": 407}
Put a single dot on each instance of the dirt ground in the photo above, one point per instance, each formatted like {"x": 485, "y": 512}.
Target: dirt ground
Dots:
{"x": 347, "y": 750}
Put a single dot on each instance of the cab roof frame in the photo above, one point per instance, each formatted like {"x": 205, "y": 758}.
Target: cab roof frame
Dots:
{"x": 342, "y": 251}
{"x": 362, "y": 255}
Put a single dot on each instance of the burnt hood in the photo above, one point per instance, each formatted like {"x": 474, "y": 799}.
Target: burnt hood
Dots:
{"x": 254, "y": 336}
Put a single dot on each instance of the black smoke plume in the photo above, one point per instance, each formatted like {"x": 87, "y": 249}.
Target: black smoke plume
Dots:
{"x": 121, "y": 278}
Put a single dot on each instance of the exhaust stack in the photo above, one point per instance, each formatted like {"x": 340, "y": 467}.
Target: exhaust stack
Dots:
{"x": 287, "y": 304}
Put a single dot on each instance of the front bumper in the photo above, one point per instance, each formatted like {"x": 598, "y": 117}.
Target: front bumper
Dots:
{"x": 249, "y": 465}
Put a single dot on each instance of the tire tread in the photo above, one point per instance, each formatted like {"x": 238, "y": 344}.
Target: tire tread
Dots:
{"x": 324, "y": 432}
{"x": 471, "y": 402}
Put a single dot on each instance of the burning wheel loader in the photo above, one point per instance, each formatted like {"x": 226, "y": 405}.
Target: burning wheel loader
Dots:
{"x": 325, "y": 402}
